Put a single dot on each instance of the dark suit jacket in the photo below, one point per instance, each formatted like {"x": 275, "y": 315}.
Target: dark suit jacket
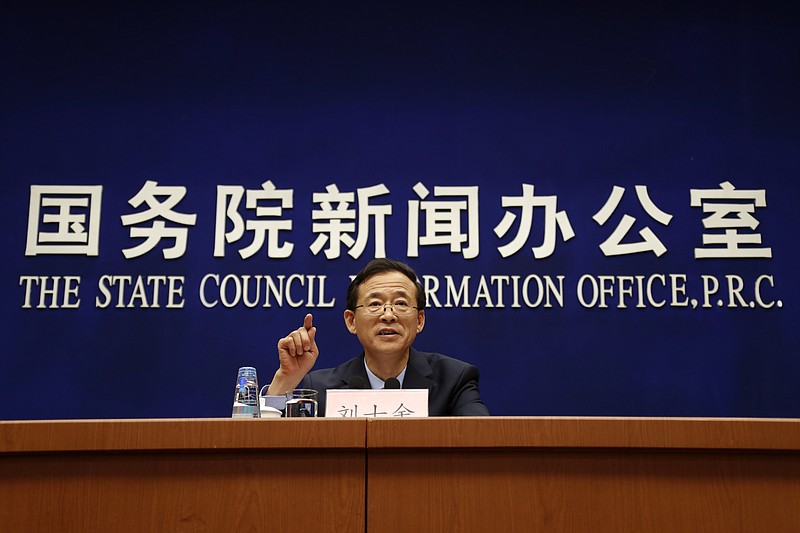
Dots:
{"x": 452, "y": 384}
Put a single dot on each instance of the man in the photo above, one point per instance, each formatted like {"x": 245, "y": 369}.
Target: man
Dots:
{"x": 385, "y": 310}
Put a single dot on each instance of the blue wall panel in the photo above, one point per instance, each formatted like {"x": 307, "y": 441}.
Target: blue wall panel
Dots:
{"x": 483, "y": 101}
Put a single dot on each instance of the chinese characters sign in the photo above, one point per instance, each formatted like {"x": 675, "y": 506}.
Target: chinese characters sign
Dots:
{"x": 66, "y": 220}
{"x": 369, "y": 403}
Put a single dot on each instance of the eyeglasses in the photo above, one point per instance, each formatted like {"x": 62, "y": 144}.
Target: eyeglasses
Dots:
{"x": 398, "y": 308}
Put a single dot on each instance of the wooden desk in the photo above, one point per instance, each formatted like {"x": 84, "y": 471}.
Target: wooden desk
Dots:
{"x": 579, "y": 474}
{"x": 182, "y": 475}
{"x": 438, "y": 474}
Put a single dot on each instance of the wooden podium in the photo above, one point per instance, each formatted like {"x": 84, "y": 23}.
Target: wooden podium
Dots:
{"x": 436, "y": 474}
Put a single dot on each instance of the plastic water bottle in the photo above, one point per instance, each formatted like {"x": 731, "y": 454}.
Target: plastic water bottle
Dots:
{"x": 245, "y": 396}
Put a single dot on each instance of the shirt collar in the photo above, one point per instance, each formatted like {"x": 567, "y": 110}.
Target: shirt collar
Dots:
{"x": 377, "y": 383}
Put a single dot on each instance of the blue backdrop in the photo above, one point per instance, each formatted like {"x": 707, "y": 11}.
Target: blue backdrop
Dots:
{"x": 518, "y": 121}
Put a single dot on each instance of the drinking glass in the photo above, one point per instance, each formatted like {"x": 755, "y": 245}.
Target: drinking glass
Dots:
{"x": 301, "y": 403}
{"x": 245, "y": 395}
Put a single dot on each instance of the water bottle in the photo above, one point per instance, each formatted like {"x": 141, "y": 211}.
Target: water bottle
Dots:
{"x": 245, "y": 396}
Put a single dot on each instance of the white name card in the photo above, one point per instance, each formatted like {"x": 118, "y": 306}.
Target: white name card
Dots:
{"x": 371, "y": 403}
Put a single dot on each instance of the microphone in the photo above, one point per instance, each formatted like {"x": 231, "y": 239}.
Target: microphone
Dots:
{"x": 357, "y": 382}
{"x": 391, "y": 383}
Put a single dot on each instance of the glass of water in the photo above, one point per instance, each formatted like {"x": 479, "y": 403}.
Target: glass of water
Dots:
{"x": 301, "y": 403}
{"x": 245, "y": 395}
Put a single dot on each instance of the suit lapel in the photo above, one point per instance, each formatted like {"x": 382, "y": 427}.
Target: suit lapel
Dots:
{"x": 354, "y": 368}
{"x": 417, "y": 372}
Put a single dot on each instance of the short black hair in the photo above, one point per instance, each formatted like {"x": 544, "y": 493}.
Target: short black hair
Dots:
{"x": 377, "y": 266}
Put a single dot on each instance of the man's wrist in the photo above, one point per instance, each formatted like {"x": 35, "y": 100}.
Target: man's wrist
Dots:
{"x": 281, "y": 385}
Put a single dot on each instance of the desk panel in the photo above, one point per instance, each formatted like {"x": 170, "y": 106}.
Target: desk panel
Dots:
{"x": 568, "y": 474}
{"x": 183, "y": 475}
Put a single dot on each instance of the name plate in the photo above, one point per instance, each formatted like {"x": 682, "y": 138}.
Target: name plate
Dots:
{"x": 370, "y": 403}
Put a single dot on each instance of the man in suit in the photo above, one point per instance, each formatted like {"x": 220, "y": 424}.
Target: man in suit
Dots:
{"x": 385, "y": 310}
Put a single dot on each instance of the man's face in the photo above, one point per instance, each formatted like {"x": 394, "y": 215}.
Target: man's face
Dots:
{"x": 387, "y": 335}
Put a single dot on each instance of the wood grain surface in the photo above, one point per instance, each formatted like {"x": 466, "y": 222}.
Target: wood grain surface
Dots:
{"x": 438, "y": 474}
{"x": 182, "y": 475}
{"x": 579, "y": 474}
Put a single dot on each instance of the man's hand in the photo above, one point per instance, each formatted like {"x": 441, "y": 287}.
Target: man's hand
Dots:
{"x": 297, "y": 353}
